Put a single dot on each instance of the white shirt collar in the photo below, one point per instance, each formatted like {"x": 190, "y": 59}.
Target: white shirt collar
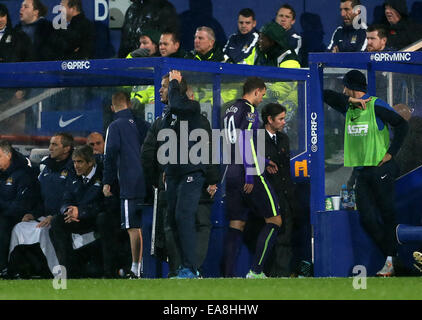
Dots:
{"x": 270, "y": 134}
{"x": 91, "y": 174}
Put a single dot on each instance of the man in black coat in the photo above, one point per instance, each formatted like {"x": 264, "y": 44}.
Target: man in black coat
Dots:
{"x": 34, "y": 24}
{"x": 146, "y": 14}
{"x": 77, "y": 41}
{"x": 14, "y": 44}
{"x": 18, "y": 190}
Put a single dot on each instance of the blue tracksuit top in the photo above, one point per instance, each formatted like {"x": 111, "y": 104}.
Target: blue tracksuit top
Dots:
{"x": 122, "y": 158}
{"x": 348, "y": 39}
{"x": 53, "y": 180}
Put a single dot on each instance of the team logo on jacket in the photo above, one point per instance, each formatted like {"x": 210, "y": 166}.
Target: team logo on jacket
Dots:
{"x": 9, "y": 181}
{"x": 63, "y": 174}
{"x": 97, "y": 183}
{"x": 250, "y": 116}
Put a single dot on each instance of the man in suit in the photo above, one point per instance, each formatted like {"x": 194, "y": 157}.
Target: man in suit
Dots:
{"x": 277, "y": 149}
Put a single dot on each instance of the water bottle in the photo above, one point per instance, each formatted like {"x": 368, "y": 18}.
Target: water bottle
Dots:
{"x": 344, "y": 197}
{"x": 352, "y": 200}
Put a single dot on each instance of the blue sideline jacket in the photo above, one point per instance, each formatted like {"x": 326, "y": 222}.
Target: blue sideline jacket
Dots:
{"x": 88, "y": 197}
{"x": 122, "y": 158}
{"x": 17, "y": 188}
{"x": 53, "y": 180}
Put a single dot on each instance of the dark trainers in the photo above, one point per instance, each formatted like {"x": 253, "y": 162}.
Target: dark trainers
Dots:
{"x": 131, "y": 275}
{"x": 186, "y": 273}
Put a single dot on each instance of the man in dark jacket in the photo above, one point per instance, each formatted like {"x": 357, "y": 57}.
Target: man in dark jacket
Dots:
{"x": 122, "y": 162}
{"x": 205, "y": 47}
{"x": 184, "y": 178}
{"x": 164, "y": 234}
{"x": 402, "y": 30}
{"x": 76, "y": 42}
{"x": 37, "y": 28}
{"x": 17, "y": 195}
{"x": 170, "y": 45}
{"x": 14, "y": 44}
{"x": 146, "y": 14}
{"x": 82, "y": 202}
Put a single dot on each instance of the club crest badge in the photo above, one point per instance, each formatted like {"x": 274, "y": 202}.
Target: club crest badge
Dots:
{"x": 250, "y": 116}
{"x": 63, "y": 174}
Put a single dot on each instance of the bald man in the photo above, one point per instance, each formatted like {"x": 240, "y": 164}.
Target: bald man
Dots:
{"x": 96, "y": 141}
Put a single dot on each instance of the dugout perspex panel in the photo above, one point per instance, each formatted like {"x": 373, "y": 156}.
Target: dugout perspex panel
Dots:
{"x": 340, "y": 243}
{"x": 38, "y": 99}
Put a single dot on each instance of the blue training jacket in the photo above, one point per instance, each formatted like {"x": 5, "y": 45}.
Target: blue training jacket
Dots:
{"x": 122, "y": 158}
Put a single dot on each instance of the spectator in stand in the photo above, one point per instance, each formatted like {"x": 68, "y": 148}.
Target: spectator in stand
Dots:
{"x": 37, "y": 28}
{"x": 148, "y": 45}
{"x": 170, "y": 45}
{"x": 15, "y": 45}
{"x": 402, "y": 30}
{"x": 346, "y": 38}
{"x": 286, "y": 17}
{"x": 82, "y": 202}
{"x": 273, "y": 49}
{"x": 376, "y": 36}
{"x": 17, "y": 196}
{"x": 241, "y": 44}
{"x": 146, "y": 14}
{"x": 205, "y": 47}
{"x": 76, "y": 42}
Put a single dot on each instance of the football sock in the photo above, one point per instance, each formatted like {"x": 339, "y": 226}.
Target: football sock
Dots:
{"x": 136, "y": 268}
{"x": 231, "y": 251}
{"x": 265, "y": 243}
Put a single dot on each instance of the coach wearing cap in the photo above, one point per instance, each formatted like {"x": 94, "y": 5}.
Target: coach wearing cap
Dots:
{"x": 370, "y": 151}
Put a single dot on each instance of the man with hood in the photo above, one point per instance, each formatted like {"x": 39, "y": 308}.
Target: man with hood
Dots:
{"x": 402, "y": 30}
{"x": 146, "y": 14}
{"x": 241, "y": 45}
{"x": 346, "y": 38}
{"x": 18, "y": 186}
{"x": 14, "y": 44}
{"x": 273, "y": 49}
